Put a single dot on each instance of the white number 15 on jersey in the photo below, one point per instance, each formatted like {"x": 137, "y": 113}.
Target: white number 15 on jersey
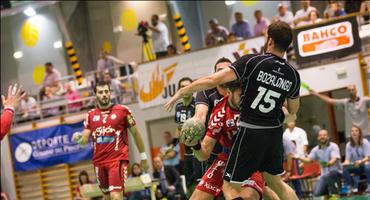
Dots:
{"x": 269, "y": 99}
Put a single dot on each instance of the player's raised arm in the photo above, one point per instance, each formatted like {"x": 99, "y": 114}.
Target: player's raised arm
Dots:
{"x": 140, "y": 146}
{"x": 208, "y": 82}
{"x": 202, "y": 151}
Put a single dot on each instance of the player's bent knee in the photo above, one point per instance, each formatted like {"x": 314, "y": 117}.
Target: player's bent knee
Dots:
{"x": 249, "y": 194}
{"x": 116, "y": 195}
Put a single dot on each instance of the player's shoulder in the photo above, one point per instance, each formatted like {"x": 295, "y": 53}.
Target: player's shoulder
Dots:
{"x": 92, "y": 111}
{"x": 121, "y": 107}
{"x": 179, "y": 104}
{"x": 220, "y": 106}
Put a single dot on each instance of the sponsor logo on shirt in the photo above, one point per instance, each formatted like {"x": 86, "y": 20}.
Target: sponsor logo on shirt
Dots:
{"x": 113, "y": 116}
{"x": 230, "y": 123}
{"x": 96, "y": 118}
{"x": 103, "y": 130}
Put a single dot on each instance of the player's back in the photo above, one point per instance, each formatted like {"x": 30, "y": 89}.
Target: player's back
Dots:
{"x": 268, "y": 81}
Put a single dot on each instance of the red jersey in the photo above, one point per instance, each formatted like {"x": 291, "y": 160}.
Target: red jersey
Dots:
{"x": 222, "y": 125}
{"x": 6, "y": 121}
{"x": 109, "y": 133}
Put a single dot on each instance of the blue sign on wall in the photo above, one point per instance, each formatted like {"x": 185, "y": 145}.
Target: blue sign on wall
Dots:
{"x": 48, "y": 146}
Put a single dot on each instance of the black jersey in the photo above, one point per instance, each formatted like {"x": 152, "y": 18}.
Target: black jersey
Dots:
{"x": 209, "y": 98}
{"x": 182, "y": 112}
{"x": 267, "y": 81}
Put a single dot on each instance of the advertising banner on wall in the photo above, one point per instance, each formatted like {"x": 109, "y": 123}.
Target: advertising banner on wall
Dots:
{"x": 47, "y": 147}
{"x": 158, "y": 80}
{"x": 332, "y": 39}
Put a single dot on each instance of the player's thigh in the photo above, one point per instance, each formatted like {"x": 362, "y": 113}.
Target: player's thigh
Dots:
{"x": 201, "y": 195}
{"x": 249, "y": 193}
{"x": 274, "y": 156}
{"x": 269, "y": 194}
{"x": 101, "y": 174}
{"x": 212, "y": 180}
{"x": 253, "y": 188}
{"x": 231, "y": 190}
{"x": 117, "y": 176}
{"x": 274, "y": 181}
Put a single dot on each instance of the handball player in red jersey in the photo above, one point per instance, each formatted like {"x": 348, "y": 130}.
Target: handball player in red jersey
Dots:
{"x": 107, "y": 125}
{"x": 221, "y": 128}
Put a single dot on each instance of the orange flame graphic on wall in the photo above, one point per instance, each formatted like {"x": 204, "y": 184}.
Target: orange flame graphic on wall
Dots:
{"x": 157, "y": 83}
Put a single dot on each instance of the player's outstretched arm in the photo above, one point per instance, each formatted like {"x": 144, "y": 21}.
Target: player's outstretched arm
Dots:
{"x": 205, "y": 83}
{"x": 323, "y": 97}
{"x": 140, "y": 145}
{"x": 206, "y": 148}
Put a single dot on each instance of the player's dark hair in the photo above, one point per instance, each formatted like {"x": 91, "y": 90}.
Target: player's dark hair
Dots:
{"x": 100, "y": 84}
{"x": 232, "y": 85}
{"x": 221, "y": 60}
{"x": 83, "y": 173}
{"x": 155, "y": 16}
{"x": 281, "y": 34}
{"x": 184, "y": 79}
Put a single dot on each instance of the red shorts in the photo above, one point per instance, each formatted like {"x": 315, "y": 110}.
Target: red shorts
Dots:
{"x": 111, "y": 176}
{"x": 212, "y": 180}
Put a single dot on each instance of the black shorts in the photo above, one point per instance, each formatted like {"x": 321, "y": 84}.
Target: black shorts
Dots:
{"x": 255, "y": 150}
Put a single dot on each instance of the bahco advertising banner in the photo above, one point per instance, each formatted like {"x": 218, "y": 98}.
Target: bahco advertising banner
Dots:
{"x": 158, "y": 79}
{"x": 333, "y": 39}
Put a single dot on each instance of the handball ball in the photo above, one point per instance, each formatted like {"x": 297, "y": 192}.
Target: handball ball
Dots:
{"x": 192, "y": 128}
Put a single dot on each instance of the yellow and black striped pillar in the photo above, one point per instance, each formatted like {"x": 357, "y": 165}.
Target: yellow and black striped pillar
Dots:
{"x": 182, "y": 32}
{"x": 71, "y": 52}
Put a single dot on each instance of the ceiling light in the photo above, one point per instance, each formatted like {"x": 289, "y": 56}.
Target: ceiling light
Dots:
{"x": 18, "y": 54}
{"x": 58, "y": 44}
{"x": 29, "y": 12}
{"x": 229, "y": 3}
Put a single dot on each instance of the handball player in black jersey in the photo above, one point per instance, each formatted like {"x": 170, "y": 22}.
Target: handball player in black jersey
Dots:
{"x": 267, "y": 81}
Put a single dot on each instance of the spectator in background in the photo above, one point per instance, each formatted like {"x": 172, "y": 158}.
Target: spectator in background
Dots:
{"x": 115, "y": 86}
{"x": 136, "y": 171}
{"x": 241, "y": 28}
{"x": 160, "y": 36}
{"x": 355, "y": 109}
{"x": 314, "y": 17}
{"x": 83, "y": 178}
{"x": 171, "y": 50}
{"x": 231, "y": 37}
{"x": 170, "y": 182}
{"x": 72, "y": 96}
{"x": 357, "y": 160}
{"x": 334, "y": 9}
{"x": 327, "y": 153}
{"x": 303, "y": 14}
{"x": 52, "y": 78}
{"x": 170, "y": 154}
{"x": 10, "y": 103}
{"x": 49, "y": 95}
{"x": 29, "y": 108}
{"x": 365, "y": 8}
{"x": 261, "y": 23}
{"x": 285, "y": 15}
{"x": 299, "y": 136}
{"x": 217, "y": 34}
{"x": 108, "y": 63}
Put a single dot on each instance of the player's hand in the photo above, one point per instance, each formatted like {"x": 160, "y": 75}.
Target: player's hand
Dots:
{"x": 169, "y": 105}
{"x": 76, "y": 137}
{"x": 14, "y": 96}
{"x": 144, "y": 165}
{"x": 358, "y": 163}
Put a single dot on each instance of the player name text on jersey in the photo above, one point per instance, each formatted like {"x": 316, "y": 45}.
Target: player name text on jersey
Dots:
{"x": 273, "y": 80}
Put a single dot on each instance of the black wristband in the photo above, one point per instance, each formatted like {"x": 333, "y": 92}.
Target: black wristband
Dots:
{"x": 175, "y": 141}
{"x": 197, "y": 147}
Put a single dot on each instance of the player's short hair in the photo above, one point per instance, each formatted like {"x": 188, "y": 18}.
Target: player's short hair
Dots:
{"x": 184, "y": 79}
{"x": 48, "y": 64}
{"x": 281, "y": 34}
{"x": 221, "y": 60}
{"x": 100, "y": 84}
{"x": 232, "y": 85}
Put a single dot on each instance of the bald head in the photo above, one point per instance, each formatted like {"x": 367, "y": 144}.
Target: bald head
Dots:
{"x": 352, "y": 91}
{"x": 157, "y": 162}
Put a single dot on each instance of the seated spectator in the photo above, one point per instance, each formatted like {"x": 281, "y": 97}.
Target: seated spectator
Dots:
{"x": 138, "y": 195}
{"x": 116, "y": 87}
{"x": 170, "y": 182}
{"x": 365, "y": 9}
{"x": 49, "y": 95}
{"x": 107, "y": 63}
{"x": 29, "y": 108}
{"x": 83, "y": 178}
{"x": 303, "y": 14}
{"x": 170, "y": 155}
{"x": 171, "y": 50}
{"x": 217, "y": 33}
{"x": 357, "y": 160}
{"x": 52, "y": 78}
{"x": 241, "y": 28}
{"x": 285, "y": 15}
{"x": 299, "y": 136}
{"x": 335, "y": 9}
{"x": 72, "y": 96}
{"x": 231, "y": 37}
{"x": 261, "y": 25}
{"x": 313, "y": 19}
{"x": 327, "y": 153}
